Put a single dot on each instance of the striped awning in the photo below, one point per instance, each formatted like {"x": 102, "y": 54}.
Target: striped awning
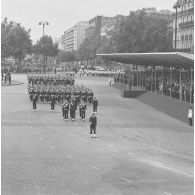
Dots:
{"x": 172, "y": 59}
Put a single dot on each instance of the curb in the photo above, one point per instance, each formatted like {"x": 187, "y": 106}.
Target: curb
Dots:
{"x": 17, "y": 83}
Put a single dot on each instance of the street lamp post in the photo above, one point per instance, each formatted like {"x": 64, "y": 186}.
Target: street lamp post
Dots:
{"x": 43, "y": 23}
{"x": 176, "y": 6}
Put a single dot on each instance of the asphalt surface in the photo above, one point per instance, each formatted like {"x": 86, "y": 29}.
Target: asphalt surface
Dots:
{"x": 138, "y": 150}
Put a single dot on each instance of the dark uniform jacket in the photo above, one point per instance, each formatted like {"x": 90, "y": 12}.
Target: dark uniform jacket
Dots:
{"x": 93, "y": 120}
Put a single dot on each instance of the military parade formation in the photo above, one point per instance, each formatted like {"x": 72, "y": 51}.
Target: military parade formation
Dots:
{"x": 60, "y": 89}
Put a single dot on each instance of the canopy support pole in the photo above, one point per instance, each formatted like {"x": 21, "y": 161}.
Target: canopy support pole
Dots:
{"x": 190, "y": 86}
{"x": 171, "y": 83}
{"x": 137, "y": 76}
{"x": 162, "y": 80}
{"x": 155, "y": 79}
{"x": 151, "y": 79}
{"x": 180, "y": 87}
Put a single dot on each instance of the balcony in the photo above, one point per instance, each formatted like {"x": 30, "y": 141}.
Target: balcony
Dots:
{"x": 184, "y": 12}
{"x": 186, "y": 24}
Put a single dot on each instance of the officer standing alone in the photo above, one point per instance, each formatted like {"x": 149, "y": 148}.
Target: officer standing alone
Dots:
{"x": 93, "y": 124}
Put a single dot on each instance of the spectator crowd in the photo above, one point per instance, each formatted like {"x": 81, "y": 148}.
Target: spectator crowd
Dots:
{"x": 167, "y": 83}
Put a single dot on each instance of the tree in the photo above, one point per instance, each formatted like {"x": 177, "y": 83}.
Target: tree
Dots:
{"x": 139, "y": 33}
{"x": 46, "y": 47}
{"x": 88, "y": 48}
{"x": 5, "y": 30}
{"x": 16, "y": 40}
{"x": 66, "y": 56}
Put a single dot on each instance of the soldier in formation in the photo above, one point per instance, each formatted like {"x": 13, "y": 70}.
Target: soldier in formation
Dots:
{"x": 61, "y": 79}
{"x": 95, "y": 104}
{"x": 61, "y": 93}
{"x": 34, "y": 101}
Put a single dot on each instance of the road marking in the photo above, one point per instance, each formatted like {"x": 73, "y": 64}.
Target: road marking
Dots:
{"x": 52, "y": 147}
{"x": 128, "y": 180}
{"x": 31, "y": 127}
{"x": 41, "y": 139}
{"x": 85, "y": 132}
{"x": 93, "y": 167}
{"x": 163, "y": 166}
{"x": 69, "y": 156}
{"x": 131, "y": 154}
{"x": 34, "y": 132}
{"x": 166, "y": 193}
{"x": 111, "y": 146}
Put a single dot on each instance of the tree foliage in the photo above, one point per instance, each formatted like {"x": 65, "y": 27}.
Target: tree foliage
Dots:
{"x": 136, "y": 33}
{"x": 15, "y": 40}
{"x": 46, "y": 46}
{"x": 140, "y": 33}
{"x": 64, "y": 56}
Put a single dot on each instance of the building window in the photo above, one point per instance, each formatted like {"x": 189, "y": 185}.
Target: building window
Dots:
{"x": 186, "y": 37}
{"x": 190, "y": 37}
{"x": 182, "y": 37}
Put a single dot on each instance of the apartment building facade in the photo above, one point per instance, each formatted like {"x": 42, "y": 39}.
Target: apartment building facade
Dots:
{"x": 74, "y": 36}
{"x": 101, "y": 26}
{"x": 184, "y": 31}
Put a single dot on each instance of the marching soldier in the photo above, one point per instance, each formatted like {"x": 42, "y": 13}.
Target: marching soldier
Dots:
{"x": 95, "y": 104}
{"x": 53, "y": 101}
{"x": 63, "y": 111}
{"x": 72, "y": 110}
{"x": 34, "y": 100}
{"x": 66, "y": 109}
{"x": 80, "y": 107}
{"x": 83, "y": 110}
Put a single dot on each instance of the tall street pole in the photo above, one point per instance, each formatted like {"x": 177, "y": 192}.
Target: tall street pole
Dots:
{"x": 43, "y": 23}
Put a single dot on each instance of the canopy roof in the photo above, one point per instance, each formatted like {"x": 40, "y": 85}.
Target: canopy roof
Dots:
{"x": 172, "y": 59}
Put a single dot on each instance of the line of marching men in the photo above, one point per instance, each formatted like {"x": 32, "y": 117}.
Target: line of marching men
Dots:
{"x": 51, "y": 79}
{"x": 61, "y": 93}
{"x": 69, "y": 108}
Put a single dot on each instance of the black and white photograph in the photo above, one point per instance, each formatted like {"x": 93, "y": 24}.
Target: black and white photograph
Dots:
{"x": 97, "y": 97}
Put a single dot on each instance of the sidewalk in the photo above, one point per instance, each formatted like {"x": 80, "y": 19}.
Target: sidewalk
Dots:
{"x": 13, "y": 82}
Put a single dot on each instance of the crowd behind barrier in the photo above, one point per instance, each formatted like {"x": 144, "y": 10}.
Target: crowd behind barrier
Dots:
{"x": 162, "y": 82}
{"x": 54, "y": 79}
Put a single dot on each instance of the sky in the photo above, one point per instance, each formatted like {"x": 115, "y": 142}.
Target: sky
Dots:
{"x": 64, "y": 14}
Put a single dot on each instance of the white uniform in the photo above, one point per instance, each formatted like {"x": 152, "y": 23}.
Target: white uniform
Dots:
{"x": 190, "y": 113}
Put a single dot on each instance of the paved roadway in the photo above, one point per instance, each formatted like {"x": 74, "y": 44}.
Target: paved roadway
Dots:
{"x": 139, "y": 150}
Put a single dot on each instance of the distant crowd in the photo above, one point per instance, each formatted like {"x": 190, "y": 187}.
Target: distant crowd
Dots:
{"x": 166, "y": 85}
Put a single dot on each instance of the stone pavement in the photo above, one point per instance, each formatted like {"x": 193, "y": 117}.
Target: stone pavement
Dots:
{"x": 139, "y": 150}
